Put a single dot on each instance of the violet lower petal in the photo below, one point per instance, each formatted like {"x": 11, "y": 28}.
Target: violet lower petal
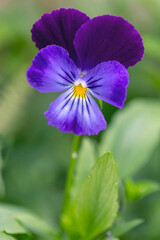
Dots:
{"x": 52, "y": 70}
{"x": 106, "y": 38}
{"x": 59, "y": 28}
{"x": 108, "y": 81}
{"x": 81, "y": 116}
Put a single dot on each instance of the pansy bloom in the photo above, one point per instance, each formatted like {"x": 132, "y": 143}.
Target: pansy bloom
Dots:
{"x": 85, "y": 59}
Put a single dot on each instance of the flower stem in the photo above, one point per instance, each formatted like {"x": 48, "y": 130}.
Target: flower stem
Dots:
{"x": 69, "y": 181}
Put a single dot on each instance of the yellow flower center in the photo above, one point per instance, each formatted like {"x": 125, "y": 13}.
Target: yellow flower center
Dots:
{"x": 79, "y": 91}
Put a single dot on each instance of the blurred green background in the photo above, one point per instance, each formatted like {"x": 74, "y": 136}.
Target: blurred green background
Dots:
{"x": 35, "y": 155}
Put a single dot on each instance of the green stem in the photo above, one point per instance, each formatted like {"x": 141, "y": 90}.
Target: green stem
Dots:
{"x": 69, "y": 181}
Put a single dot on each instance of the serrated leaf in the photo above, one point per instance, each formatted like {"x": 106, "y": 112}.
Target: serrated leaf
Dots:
{"x": 94, "y": 208}
{"x": 140, "y": 189}
{"x": 4, "y": 236}
{"x": 133, "y": 135}
{"x": 125, "y": 226}
{"x": 85, "y": 161}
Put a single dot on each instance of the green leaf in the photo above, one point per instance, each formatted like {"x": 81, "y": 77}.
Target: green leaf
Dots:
{"x": 12, "y": 218}
{"x": 4, "y": 236}
{"x": 85, "y": 161}
{"x": 125, "y": 226}
{"x": 94, "y": 208}
{"x": 23, "y": 237}
{"x": 9, "y": 223}
{"x": 100, "y": 103}
{"x": 133, "y": 135}
{"x": 3, "y": 156}
{"x": 137, "y": 190}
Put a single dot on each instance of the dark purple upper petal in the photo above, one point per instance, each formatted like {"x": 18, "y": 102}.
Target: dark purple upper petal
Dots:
{"x": 52, "y": 70}
{"x": 59, "y": 28}
{"x": 108, "y": 38}
{"x": 108, "y": 81}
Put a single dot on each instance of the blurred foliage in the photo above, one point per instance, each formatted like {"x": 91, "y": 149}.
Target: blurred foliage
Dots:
{"x": 35, "y": 169}
{"x": 121, "y": 227}
{"x": 19, "y": 222}
{"x": 130, "y": 136}
{"x": 135, "y": 191}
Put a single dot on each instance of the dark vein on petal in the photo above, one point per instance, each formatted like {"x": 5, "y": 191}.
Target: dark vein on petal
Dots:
{"x": 67, "y": 74}
{"x": 73, "y": 74}
{"x": 63, "y": 84}
{"x": 87, "y": 106}
{"x": 95, "y": 80}
{"x": 96, "y": 86}
{"x": 66, "y": 102}
{"x": 96, "y": 93}
{"x": 72, "y": 104}
{"x": 90, "y": 79}
{"x": 71, "y": 93}
{"x": 88, "y": 99}
{"x": 82, "y": 107}
{"x": 64, "y": 78}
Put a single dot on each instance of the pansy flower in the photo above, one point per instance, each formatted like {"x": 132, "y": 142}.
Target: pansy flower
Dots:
{"x": 84, "y": 59}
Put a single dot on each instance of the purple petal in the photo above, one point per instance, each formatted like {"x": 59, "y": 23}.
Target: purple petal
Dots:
{"x": 81, "y": 116}
{"x": 59, "y": 28}
{"x": 108, "y": 81}
{"x": 108, "y": 38}
{"x": 52, "y": 70}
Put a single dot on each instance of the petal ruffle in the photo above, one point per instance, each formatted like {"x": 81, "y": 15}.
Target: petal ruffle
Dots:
{"x": 52, "y": 70}
{"x": 108, "y": 81}
{"x": 59, "y": 28}
{"x": 108, "y": 38}
{"x": 81, "y": 116}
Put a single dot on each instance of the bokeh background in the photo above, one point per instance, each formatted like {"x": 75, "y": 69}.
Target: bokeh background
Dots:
{"x": 35, "y": 155}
